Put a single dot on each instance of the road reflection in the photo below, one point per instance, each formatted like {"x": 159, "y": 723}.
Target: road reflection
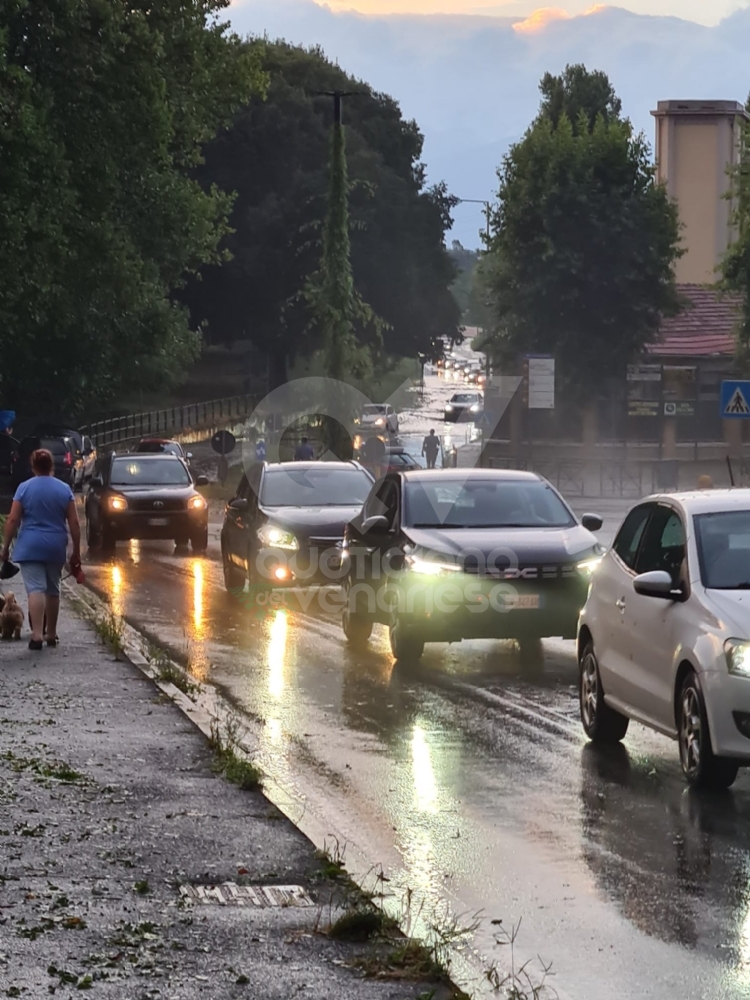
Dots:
{"x": 674, "y": 860}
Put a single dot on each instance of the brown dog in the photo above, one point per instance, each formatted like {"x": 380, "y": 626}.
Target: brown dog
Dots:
{"x": 11, "y": 619}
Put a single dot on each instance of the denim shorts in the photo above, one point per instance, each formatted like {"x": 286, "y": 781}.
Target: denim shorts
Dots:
{"x": 42, "y": 577}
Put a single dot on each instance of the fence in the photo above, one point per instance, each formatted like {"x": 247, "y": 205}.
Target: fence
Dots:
{"x": 631, "y": 480}
{"x": 170, "y": 422}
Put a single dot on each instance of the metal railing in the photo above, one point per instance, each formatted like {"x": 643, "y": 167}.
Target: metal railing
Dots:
{"x": 170, "y": 422}
{"x": 631, "y": 480}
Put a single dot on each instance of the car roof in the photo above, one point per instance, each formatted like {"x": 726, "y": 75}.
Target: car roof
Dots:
{"x": 705, "y": 501}
{"x": 461, "y": 475}
{"x": 301, "y": 466}
{"x": 146, "y": 456}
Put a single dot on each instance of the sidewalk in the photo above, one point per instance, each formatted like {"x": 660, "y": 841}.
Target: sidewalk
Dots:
{"x": 109, "y": 803}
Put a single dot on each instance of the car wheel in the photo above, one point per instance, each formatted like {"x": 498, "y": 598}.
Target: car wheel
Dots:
{"x": 199, "y": 541}
{"x": 601, "y": 723}
{"x": 108, "y": 542}
{"x": 234, "y": 578}
{"x": 357, "y": 628}
{"x": 701, "y": 767}
{"x": 405, "y": 643}
{"x": 93, "y": 538}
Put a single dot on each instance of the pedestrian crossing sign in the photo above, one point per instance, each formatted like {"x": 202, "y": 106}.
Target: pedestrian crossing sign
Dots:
{"x": 735, "y": 400}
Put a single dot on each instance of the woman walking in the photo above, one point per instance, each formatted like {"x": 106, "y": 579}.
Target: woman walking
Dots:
{"x": 42, "y": 513}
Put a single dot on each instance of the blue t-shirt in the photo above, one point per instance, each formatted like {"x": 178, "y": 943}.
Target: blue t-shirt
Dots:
{"x": 44, "y": 528}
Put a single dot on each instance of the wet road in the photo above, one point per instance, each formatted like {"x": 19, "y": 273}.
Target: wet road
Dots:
{"x": 472, "y": 785}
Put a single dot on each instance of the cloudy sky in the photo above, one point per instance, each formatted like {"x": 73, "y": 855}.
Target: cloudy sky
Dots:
{"x": 704, "y": 11}
{"x": 468, "y": 71}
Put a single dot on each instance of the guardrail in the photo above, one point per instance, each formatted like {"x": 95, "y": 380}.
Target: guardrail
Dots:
{"x": 171, "y": 421}
{"x": 600, "y": 479}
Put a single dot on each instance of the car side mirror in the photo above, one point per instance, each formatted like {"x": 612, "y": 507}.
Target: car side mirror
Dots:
{"x": 658, "y": 584}
{"x": 201, "y": 481}
{"x": 376, "y": 524}
{"x": 241, "y": 505}
{"x": 188, "y": 455}
{"x": 592, "y": 522}
{"x": 97, "y": 480}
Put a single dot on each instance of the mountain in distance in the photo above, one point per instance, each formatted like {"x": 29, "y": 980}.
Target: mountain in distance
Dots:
{"x": 471, "y": 81}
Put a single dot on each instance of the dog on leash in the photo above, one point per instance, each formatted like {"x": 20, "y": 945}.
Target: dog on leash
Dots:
{"x": 11, "y": 618}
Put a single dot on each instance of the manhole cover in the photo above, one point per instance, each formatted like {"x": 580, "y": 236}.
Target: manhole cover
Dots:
{"x": 231, "y": 894}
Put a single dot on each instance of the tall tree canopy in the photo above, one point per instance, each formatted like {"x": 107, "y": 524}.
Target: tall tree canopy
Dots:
{"x": 577, "y": 91}
{"x": 104, "y": 108}
{"x": 276, "y": 158}
{"x": 580, "y": 263}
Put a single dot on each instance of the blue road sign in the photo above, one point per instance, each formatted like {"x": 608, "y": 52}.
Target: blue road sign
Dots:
{"x": 735, "y": 400}
{"x": 260, "y": 451}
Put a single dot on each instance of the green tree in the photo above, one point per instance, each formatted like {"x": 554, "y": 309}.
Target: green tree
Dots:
{"x": 104, "y": 108}
{"x": 736, "y": 263}
{"x": 580, "y": 263}
{"x": 578, "y": 91}
{"x": 276, "y": 158}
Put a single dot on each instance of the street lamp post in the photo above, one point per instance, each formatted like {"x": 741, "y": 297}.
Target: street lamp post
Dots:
{"x": 487, "y": 209}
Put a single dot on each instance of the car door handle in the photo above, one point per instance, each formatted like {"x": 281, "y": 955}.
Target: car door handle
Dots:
{"x": 620, "y": 604}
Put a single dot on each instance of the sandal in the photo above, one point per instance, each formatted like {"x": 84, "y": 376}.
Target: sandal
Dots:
{"x": 35, "y": 644}
{"x": 52, "y": 642}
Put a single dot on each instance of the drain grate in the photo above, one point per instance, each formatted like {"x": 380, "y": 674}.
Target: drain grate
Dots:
{"x": 260, "y": 896}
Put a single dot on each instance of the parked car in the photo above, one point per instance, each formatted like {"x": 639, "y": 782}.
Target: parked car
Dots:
{"x": 463, "y": 407}
{"x": 502, "y": 548}
{"x": 378, "y": 417}
{"x": 64, "y": 453}
{"x": 286, "y": 523}
{"x": 146, "y": 497}
{"x": 162, "y": 446}
{"x": 665, "y": 634}
{"x": 85, "y": 452}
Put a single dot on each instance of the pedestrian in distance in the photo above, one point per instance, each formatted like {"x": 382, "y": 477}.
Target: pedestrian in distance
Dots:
{"x": 304, "y": 452}
{"x": 430, "y": 448}
{"x": 42, "y": 514}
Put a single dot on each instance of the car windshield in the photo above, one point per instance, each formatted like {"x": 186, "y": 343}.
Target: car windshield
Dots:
{"x": 724, "y": 549}
{"x": 315, "y": 487}
{"x": 484, "y": 503}
{"x": 374, "y": 410}
{"x": 152, "y": 472}
{"x": 464, "y": 397}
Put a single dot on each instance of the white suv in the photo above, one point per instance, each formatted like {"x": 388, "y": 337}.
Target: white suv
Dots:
{"x": 664, "y": 637}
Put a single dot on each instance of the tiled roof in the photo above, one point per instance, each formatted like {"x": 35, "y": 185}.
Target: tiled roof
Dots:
{"x": 705, "y": 326}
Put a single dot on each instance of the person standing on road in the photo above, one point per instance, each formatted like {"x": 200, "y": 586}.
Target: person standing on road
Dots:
{"x": 304, "y": 452}
{"x": 430, "y": 448}
{"x": 42, "y": 513}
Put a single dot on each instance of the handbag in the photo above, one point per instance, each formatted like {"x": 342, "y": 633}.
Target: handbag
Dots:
{"x": 8, "y": 570}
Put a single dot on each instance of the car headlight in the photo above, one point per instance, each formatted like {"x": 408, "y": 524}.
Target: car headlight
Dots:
{"x": 196, "y": 503}
{"x": 277, "y": 538}
{"x": 357, "y": 421}
{"x": 117, "y": 503}
{"x": 380, "y": 422}
{"x": 475, "y": 408}
{"x": 429, "y": 567}
{"x": 448, "y": 408}
{"x": 737, "y": 652}
{"x": 588, "y": 566}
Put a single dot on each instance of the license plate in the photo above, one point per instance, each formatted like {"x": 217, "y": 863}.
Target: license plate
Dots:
{"x": 522, "y": 602}
{"x": 158, "y": 522}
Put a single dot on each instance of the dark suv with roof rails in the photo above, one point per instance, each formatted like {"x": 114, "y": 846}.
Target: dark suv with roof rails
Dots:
{"x": 145, "y": 497}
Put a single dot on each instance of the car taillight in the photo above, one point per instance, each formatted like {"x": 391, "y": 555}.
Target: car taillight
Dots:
{"x": 68, "y": 460}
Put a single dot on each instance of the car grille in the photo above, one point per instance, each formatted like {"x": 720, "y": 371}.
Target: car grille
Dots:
{"x": 521, "y": 573}
{"x": 157, "y": 506}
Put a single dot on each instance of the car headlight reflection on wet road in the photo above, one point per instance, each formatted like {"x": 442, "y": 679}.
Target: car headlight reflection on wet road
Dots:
{"x": 277, "y": 651}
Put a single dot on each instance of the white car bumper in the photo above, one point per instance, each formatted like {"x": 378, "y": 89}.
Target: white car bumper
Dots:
{"x": 726, "y": 694}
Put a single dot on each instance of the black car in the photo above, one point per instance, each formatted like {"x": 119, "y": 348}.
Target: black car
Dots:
{"x": 441, "y": 556}
{"x": 285, "y": 526}
{"x": 464, "y": 407}
{"x": 84, "y": 450}
{"x": 145, "y": 496}
{"x": 64, "y": 453}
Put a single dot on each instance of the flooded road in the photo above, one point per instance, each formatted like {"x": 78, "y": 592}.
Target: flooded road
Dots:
{"x": 471, "y": 783}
